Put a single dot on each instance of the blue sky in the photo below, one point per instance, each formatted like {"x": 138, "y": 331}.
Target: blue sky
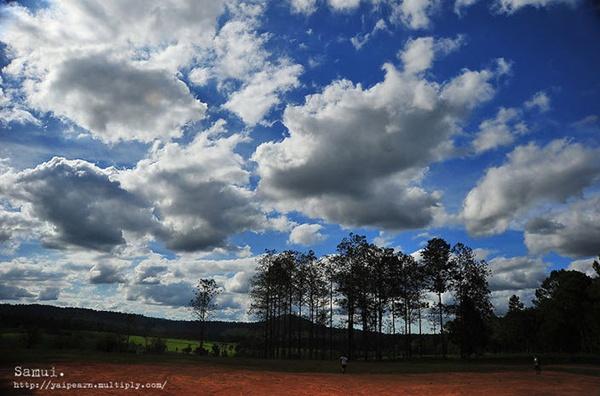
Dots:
{"x": 144, "y": 147}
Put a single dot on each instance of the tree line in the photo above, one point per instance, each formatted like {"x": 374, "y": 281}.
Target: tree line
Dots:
{"x": 368, "y": 302}
{"x": 377, "y": 294}
{"x": 564, "y": 317}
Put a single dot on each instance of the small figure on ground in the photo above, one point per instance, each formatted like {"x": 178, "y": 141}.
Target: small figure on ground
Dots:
{"x": 344, "y": 363}
{"x": 536, "y": 365}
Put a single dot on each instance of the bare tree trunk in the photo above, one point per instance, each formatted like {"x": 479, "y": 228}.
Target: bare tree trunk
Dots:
{"x": 441, "y": 324}
{"x": 278, "y": 329}
{"x": 266, "y": 346}
{"x": 330, "y": 320}
{"x": 202, "y": 334}
{"x": 394, "y": 329}
{"x": 271, "y": 327}
{"x": 350, "y": 330}
{"x": 312, "y": 328}
{"x": 409, "y": 332}
{"x": 365, "y": 337}
{"x": 420, "y": 333}
{"x": 300, "y": 329}
{"x": 289, "y": 326}
{"x": 379, "y": 328}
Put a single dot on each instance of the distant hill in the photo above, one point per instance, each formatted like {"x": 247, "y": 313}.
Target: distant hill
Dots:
{"x": 56, "y": 319}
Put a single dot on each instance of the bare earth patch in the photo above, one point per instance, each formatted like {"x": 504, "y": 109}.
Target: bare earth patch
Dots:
{"x": 207, "y": 379}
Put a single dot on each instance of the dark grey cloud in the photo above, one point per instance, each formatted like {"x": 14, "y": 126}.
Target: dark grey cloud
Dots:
{"x": 81, "y": 203}
{"x": 516, "y": 273}
{"x": 177, "y": 294}
{"x": 542, "y": 226}
{"x": 148, "y": 273}
{"x": 572, "y": 230}
{"x": 106, "y": 273}
{"x": 191, "y": 197}
{"x": 78, "y": 267}
{"x": 223, "y": 210}
{"x": 19, "y": 271}
{"x": 8, "y": 292}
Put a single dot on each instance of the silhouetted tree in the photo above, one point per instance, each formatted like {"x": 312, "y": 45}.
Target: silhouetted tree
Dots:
{"x": 472, "y": 307}
{"x": 203, "y": 303}
{"x": 352, "y": 253}
{"x": 436, "y": 259}
{"x": 516, "y": 331}
{"x": 562, "y": 302}
{"x": 596, "y": 266}
{"x": 515, "y": 304}
{"x": 407, "y": 286}
{"x": 382, "y": 286}
{"x": 316, "y": 292}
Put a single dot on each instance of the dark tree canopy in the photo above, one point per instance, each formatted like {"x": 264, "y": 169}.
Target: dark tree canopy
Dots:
{"x": 203, "y": 303}
{"x": 370, "y": 302}
{"x": 472, "y": 306}
{"x": 515, "y": 304}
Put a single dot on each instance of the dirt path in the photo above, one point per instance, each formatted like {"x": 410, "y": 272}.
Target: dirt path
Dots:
{"x": 206, "y": 379}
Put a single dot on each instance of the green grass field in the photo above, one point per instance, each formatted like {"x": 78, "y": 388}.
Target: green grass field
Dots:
{"x": 178, "y": 344}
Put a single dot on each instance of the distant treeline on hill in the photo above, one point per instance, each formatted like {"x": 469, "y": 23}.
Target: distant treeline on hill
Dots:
{"x": 364, "y": 302}
{"x": 56, "y": 319}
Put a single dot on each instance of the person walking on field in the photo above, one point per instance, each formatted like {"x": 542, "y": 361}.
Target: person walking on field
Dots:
{"x": 344, "y": 363}
{"x": 536, "y": 365}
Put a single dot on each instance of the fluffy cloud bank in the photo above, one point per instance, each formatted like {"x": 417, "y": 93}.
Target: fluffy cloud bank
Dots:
{"x": 116, "y": 100}
{"x": 512, "y": 6}
{"x": 356, "y": 155}
{"x": 531, "y": 175}
{"x": 501, "y": 130}
{"x": 413, "y": 14}
{"x": 190, "y": 196}
{"x": 109, "y": 66}
{"x": 573, "y": 230}
{"x": 78, "y": 204}
{"x": 516, "y": 273}
{"x": 306, "y": 234}
{"x": 418, "y": 54}
{"x": 199, "y": 191}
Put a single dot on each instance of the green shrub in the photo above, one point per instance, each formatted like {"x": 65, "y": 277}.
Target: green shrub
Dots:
{"x": 111, "y": 343}
{"x": 157, "y": 345}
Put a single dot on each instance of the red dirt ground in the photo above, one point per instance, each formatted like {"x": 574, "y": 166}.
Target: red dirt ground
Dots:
{"x": 205, "y": 379}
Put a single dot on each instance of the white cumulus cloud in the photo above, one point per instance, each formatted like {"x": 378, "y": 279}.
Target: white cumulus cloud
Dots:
{"x": 531, "y": 175}
{"x": 306, "y": 234}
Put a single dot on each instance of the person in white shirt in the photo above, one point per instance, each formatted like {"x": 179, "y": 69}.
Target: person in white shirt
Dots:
{"x": 344, "y": 363}
{"x": 536, "y": 365}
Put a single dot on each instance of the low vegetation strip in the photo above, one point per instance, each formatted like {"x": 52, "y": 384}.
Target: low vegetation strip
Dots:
{"x": 111, "y": 342}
